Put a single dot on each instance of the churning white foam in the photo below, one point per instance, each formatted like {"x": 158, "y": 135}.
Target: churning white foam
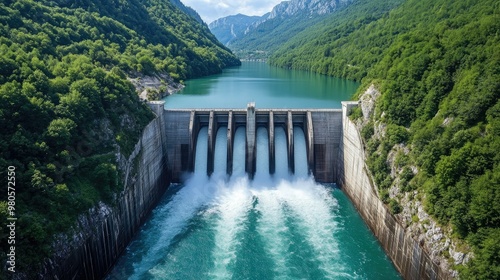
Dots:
{"x": 232, "y": 204}
{"x": 228, "y": 202}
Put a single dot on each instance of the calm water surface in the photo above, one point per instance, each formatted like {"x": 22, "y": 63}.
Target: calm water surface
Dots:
{"x": 281, "y": 226}
{"x": 269, "y": 87}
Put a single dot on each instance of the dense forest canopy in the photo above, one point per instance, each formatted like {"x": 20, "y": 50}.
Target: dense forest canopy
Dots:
{"x": 66, "y": 106}
{"x": 437, "y": 65}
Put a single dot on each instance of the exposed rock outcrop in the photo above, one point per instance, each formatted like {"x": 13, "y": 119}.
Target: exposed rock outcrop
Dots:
{"x": 408, "y": 254}
{"x": 228, "y": 28}
{"x": 154, "y": 87}
{"x": 367, "y": 102}
{"x": 311, "y": 7}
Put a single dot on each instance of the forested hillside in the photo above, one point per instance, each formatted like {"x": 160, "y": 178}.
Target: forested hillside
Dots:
{"x": 333, "y": 46}
{"x": 436, "y": 124}
{"x": 264, "y": 39}
{"x": 286, "y": 20}
{"x": 66, "y": 107}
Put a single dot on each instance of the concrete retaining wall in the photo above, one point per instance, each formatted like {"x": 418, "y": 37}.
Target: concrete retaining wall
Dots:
{"x": 407, "y": 255}
{"x": 104, "y": 232}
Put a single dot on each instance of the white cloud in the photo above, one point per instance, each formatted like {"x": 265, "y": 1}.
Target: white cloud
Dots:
{"x": 222, "y": 5}
{"x": 211, "y": 10}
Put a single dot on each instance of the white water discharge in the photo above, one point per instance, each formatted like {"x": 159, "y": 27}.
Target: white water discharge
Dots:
{"x": 220, "y": 158}
{"x": 300, "y": 152}
{"x": 277, "y": 226}
{"x": 280, "y": 149}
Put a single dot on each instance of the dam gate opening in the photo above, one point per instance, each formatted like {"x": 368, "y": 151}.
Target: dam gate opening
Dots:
{"x": 322, "y": 130}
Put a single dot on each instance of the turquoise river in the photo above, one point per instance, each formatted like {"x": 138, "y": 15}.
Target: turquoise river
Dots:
{"x": 280, "y": 226}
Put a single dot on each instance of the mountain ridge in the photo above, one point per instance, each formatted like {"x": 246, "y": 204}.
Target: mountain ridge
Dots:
{"x": 283, "y": 22}
{"x": 229, "y": 28}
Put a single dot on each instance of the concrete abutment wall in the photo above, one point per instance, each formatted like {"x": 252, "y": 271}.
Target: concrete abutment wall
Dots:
{"x": 411, "y": 260}
{"x": 105, "y": 231}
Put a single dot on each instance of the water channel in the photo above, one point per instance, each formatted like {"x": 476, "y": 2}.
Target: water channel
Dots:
{"x": 280, "y": 226}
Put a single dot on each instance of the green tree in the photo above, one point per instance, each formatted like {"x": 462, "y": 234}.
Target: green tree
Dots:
{"x": 61, "y": 131}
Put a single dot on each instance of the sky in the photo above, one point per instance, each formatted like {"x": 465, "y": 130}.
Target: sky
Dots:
{"x": 211, "y": 10}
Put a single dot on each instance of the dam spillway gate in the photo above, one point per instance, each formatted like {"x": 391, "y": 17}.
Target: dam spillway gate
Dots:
{"x": 322, "y": 129}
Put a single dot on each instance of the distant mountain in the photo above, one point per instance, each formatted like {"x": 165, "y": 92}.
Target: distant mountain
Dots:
{"x": 263, "y": 35}
{"x": 306, "y": 7}
{"x": 228, "y": 28}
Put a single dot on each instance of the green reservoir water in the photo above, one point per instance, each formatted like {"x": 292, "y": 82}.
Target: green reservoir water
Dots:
{"x": 280, "y": 226}
{"x": 268, "y": 87}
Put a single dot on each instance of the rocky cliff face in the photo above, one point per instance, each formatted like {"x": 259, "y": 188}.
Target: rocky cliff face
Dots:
{"x": 227, "y": 29}
{"x": 303, "y": 8}
{"x": 154, "y": 87}
{"x": 307, "y": 7}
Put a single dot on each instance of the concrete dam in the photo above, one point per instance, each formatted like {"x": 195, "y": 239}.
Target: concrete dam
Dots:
{"x": 322, "y": 142}
{"x": 167, "y": 150}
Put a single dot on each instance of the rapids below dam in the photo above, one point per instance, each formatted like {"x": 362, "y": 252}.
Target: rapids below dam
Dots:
{"x": 281, "y": 226}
